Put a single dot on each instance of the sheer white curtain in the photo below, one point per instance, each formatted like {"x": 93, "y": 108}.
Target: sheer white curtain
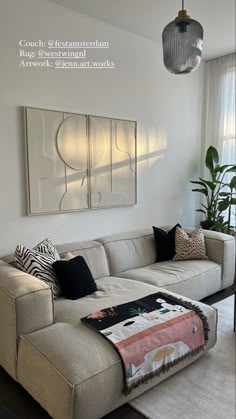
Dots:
{"x": 220, "y": 107}
{"x": 220, "y": 128}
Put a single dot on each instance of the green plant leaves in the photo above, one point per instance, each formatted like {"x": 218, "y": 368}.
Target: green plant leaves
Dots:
{"x": 198, "y": 183}
{"x": 232, "y": 184}
{"x": 201, "y": 210}
{"x": 231, "y": 169}
{"x": 212, "y": 158}
{"x": 224, "y": 194}
{"x": 223, "y": 205}
{"x": 220, "y": 194}
{"x": 222, "y": 168}
{"x": 211, "y": 185}
{"x": 204, "y": 191}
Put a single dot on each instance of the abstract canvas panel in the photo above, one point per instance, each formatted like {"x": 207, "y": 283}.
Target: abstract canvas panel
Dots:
{"x": 78, "y": 162}
{"x": 57, "y": 151}
{"x": 112, "y": 162}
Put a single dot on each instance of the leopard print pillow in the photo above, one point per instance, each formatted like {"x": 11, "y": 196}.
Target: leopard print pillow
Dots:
{"x": 189, "y": 246}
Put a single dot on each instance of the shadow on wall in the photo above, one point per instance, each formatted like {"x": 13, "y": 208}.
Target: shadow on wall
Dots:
{"x": 152, "y": 144}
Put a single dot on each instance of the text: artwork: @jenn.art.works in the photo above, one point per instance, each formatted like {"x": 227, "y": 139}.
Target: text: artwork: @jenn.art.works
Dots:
{"x": 79, "y": 162}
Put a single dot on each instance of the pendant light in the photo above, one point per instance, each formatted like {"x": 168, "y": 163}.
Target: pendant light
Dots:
{"x": 182, "y": 44}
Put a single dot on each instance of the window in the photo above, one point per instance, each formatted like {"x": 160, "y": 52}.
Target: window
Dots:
{"x": 220, "y": 113}
{"x": 228, "y": 105}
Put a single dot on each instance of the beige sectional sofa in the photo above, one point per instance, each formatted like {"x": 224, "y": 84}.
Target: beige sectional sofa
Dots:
{"x": 70, "y": 370}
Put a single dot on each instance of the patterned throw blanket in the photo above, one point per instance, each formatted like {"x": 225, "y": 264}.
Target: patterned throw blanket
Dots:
{"x": 151, "y": 334}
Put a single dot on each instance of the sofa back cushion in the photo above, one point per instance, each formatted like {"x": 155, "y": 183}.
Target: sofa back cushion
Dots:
{"x": 92, "y": 251}
{"x": 129, "y": 250}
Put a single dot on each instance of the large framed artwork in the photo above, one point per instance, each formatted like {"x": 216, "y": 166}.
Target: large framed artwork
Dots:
{"x": 79, "y": 162}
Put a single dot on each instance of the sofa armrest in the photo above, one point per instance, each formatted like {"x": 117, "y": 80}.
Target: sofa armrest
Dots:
{"x": 26, "y": 305}
{"x": 220, "y": 249}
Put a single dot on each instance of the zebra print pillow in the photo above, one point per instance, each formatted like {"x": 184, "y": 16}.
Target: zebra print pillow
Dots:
{"x": 38, "y": 262}
{"x": 46, "y": 246}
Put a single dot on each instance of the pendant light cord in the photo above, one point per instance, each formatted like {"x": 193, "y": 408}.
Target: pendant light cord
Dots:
{"x": 182, "y": 4}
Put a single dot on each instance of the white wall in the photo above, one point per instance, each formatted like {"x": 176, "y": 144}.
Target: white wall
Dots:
{"x": 168, "y": 110}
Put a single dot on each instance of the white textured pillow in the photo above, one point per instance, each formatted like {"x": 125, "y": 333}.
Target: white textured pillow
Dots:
{"x": 69, "y": 256}
{"x": 189, "y": 246}
{"x": 38, "y": 262}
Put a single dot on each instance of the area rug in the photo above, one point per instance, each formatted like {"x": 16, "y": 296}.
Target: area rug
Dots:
{"x": 204, "y": 389}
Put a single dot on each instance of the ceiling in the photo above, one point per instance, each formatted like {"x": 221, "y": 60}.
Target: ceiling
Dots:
{"x": 148, "y": 18}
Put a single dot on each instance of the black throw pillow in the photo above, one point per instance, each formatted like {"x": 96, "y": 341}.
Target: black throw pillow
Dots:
{"x": 165, "y": 243}
{"x": 74, "y": 277}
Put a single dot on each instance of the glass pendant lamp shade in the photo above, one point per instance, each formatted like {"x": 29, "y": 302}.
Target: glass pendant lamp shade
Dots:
{"x": 182, "y": 44}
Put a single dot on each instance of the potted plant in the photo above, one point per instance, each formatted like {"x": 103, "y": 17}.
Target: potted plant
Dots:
{"x": 218, "y": 193}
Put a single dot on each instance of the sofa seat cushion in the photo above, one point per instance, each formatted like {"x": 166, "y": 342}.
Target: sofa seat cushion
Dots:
{"x": 110, "y": 291}
{"x": 68, "y": 368}
{"x": 195, "y": 279}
